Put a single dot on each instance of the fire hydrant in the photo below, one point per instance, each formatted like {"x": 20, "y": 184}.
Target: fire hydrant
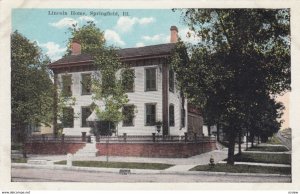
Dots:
{"x": 211, "y": 162}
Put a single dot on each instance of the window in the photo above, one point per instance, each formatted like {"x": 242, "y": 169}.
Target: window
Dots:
{"x": 151, "y": 79}
{"x": 171, "y": 81}
{"x": 68, "y": 117}
{"x": 66, "y": 85}
{"x": 128, "y": 80}
{"x": 150, "y": 114}
{"x": 108, "y": 82}
{"x": 171, "y": 115}
{"x": 182, "y": 118}
{"x": 86, "y": 83}
{"x": 128, "y": 113}
{"x": 85, "y": 113}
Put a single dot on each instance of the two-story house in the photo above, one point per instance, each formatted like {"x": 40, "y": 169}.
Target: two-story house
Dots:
{"x": 153, "y": 95}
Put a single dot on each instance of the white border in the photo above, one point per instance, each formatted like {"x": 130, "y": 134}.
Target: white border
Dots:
{"x": 5, "y": 29}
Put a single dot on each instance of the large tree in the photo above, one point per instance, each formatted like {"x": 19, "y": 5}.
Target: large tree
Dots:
{"x": 244, "y": 54}
{"x": 111, "y": 78}
{"x": 31, "y": 87}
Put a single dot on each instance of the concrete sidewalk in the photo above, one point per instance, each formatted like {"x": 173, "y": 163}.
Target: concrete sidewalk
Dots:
{"x": 201, "y": 159}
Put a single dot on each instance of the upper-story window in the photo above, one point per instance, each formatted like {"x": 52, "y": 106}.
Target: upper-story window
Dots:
{"x": 128, "y": 80}
{"x": 151, "y": 79}
{"x": 86, "y": 83}
{"x": 67, "y": 85}
{"x": 171, "y": 81}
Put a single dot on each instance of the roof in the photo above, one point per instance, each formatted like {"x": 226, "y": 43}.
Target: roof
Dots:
{"x": 127, "y": 53}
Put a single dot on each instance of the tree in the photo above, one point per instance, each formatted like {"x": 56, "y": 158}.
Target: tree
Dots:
{"x": 107, "y": 87}
{"x": 91, "y": 38}
{"x": 31, "y": 87}
{"x": 244, "y": 54}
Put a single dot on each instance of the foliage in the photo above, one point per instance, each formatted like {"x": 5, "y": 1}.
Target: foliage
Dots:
{"x": 90, "y": 37}
{"x": 269, "y": 149}
{"x": 244, "y": 56}
{"x": 108, "y": 88}
{"x": 264, "y": 158}
{"x": 31, "y": 86}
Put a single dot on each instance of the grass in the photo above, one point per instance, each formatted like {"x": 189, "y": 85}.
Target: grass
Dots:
{"x": 274, "y": 140}
{"x": 263, "y": 158}
{"x": 269, "y": 149}
{"x": 131, "y": 165}
{"x": 19, "y": 160}
{"x": 16, "y": 147}
{"x": 239, "y": 168}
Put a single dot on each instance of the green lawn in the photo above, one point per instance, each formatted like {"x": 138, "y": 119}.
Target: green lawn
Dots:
{"x": 269, "y": 148}
{"x": 274, "y": 140}
{"x": 19, "y": 160}
{"x": 263, "y": 158}
{"x": 130, "y": 165}
{"x": 239, "y": 168}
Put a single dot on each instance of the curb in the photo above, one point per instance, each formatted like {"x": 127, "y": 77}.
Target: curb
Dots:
{"x": 139, "y": 171}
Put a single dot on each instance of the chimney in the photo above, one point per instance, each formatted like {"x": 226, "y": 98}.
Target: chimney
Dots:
{"x": 75, "y": 47}
{"x": 174, "y": 34}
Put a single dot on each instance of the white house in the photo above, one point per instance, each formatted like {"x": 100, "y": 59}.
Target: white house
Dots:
{"x": 153, "y": 94}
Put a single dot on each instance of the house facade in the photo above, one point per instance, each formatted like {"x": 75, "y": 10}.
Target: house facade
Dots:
{"x": 153, "y": 95}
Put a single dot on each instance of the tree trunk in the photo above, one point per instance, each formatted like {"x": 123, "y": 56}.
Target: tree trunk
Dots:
{"x": 252, "y": 139}
{"x": 23, "y": 132}
{"x": 209, "y": 132}
{"x": 55, "y": 101}
{"x": 240, "y": 142}
{"x": 257, "y": 139}
{"x": 247, "y": 140}
{"x": 231, "y": 147}
{"x": 218, "y": 132}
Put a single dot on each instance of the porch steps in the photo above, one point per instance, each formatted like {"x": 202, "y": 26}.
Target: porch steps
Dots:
{"x": 89, "y": 150}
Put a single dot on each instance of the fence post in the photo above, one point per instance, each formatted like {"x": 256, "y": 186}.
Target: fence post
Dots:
{"x": 185, "y": 137}
{"x": 97, "y": 138}
{"x": 153, "y": 137}
{"x": 62, "y": 138}
{"x": 83, "y": 137}
{"x": 124, "y": 136}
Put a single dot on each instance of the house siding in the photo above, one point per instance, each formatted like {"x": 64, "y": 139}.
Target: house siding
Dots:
{"x": 139, "y": 97}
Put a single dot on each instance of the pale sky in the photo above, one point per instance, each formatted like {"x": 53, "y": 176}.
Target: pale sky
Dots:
{"x": 138, "y": 28}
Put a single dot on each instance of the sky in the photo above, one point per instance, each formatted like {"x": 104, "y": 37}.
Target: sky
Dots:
{"x": 122, "y": 28}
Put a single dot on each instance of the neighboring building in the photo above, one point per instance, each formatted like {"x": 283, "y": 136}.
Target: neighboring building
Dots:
{"x": 153, "y": 93}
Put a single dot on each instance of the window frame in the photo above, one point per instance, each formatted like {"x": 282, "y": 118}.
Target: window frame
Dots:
{"x": 155, "y": 114}
{"x": 72, "y": 125}
{"x": 85, "y": 107}
{"x": 132, "y": 119}
{"x": 83, "y": 93}
{"x": 133, "y": 83}
{"x": 171, "y": 89}
{"x": 173, "y": 117}
{"x": 151, "y": 89}
{"x": 68, "y": 93}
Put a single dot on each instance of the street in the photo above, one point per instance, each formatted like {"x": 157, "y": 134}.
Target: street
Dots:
{"x": 50, "y": 175}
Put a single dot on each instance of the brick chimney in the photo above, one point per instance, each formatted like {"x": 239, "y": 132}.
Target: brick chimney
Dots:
{"x": 174, "y": 34}
{"x": 75, "y": 47}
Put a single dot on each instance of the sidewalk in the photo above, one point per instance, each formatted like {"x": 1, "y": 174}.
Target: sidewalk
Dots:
{"x": 181, "y": 165}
